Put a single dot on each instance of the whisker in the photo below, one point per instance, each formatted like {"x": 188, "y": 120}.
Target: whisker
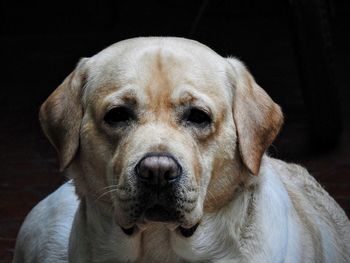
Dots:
{"x": 106, "y": 193}
{"x": 109, "y": 186}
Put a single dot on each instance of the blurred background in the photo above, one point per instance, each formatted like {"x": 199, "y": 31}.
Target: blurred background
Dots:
{"x": 298, "y": 51}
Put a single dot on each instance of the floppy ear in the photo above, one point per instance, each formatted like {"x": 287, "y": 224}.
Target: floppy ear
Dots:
{"x": 257, "y": 118}
{"x": 60, "y": 115}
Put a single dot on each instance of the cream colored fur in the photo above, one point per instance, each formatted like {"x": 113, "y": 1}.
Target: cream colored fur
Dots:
{"x": 250, "y": 207}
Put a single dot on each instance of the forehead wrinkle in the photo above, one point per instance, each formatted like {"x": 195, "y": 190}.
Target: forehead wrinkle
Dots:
{"x": 167, "y": 72}
{"x": 159, "y": 85}
{"x": 161, "y": 70}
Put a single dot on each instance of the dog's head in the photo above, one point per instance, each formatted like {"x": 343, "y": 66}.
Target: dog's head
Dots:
{"x": 160, "y": 129}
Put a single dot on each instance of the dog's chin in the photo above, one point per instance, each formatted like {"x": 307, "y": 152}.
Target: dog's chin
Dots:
{"x": 158, "y": 215}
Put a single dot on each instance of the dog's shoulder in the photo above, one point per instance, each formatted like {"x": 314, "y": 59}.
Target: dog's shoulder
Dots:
{"x": 45, "y": 232}
{"x": 323, "y": 219}
{"x": 298, "y": 181}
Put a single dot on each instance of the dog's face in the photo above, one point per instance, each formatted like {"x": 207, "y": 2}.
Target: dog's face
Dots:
{"x": 160, "y": 129}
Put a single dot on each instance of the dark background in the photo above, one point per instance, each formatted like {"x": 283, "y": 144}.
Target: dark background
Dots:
{"x": 298, "y": 51}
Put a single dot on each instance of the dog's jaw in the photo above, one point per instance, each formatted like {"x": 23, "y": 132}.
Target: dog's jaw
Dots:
{"x": 132, "y": 225}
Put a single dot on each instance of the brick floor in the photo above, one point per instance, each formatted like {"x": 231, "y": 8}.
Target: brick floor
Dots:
{"x": 27, "y": 176}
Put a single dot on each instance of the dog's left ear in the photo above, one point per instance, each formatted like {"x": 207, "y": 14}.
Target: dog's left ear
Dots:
{"x": 257, "y": 118}
{"x": 60, "y": 115}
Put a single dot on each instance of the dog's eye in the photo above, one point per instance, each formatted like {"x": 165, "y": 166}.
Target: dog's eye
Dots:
{"x": 119, "y": 115}
{"x": 197, "y": 116}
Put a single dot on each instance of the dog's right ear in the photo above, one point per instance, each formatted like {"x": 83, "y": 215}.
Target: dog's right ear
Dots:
{"x": 60, "y": 115}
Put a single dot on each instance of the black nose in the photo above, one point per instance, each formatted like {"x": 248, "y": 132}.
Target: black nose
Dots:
{"x": 158, "y": 169}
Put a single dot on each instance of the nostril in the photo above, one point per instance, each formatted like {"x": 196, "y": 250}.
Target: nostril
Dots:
{"x": 144, "y": 171}
{"x": 167, "y": 175}
{"x": 172, "y": 173}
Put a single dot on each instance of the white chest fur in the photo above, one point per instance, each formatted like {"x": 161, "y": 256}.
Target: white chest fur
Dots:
{"x": 215, "y": 240}
{"x": 249, "y": 229}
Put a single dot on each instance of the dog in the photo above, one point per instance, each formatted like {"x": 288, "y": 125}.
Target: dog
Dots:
{"x": 164, "y": 143}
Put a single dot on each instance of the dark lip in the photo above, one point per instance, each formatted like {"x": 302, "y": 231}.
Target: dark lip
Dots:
{"x": 129, "y": 231}
{"x": 185, "y": 232}
{"x": 188, "y": 232}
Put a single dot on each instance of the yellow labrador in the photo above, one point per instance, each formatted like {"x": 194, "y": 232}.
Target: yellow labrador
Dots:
{"x": 164, "y": 142}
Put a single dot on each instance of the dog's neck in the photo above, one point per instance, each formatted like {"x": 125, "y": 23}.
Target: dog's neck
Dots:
{"x": 96, "y": 236}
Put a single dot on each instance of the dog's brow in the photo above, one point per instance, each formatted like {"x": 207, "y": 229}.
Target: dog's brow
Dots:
{"x": 129, "y": 98}
{"x": 190, "y": 96}
{"x": 122, "y": 96}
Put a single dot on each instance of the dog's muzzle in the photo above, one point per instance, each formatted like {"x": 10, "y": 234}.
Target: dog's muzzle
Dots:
{"x": 162, "y": 186}
{"x": 158, "y": 174}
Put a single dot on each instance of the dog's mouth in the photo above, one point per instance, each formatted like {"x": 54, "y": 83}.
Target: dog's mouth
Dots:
{"x": 173, "y": 207}
{"x": 161, "y": 214}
